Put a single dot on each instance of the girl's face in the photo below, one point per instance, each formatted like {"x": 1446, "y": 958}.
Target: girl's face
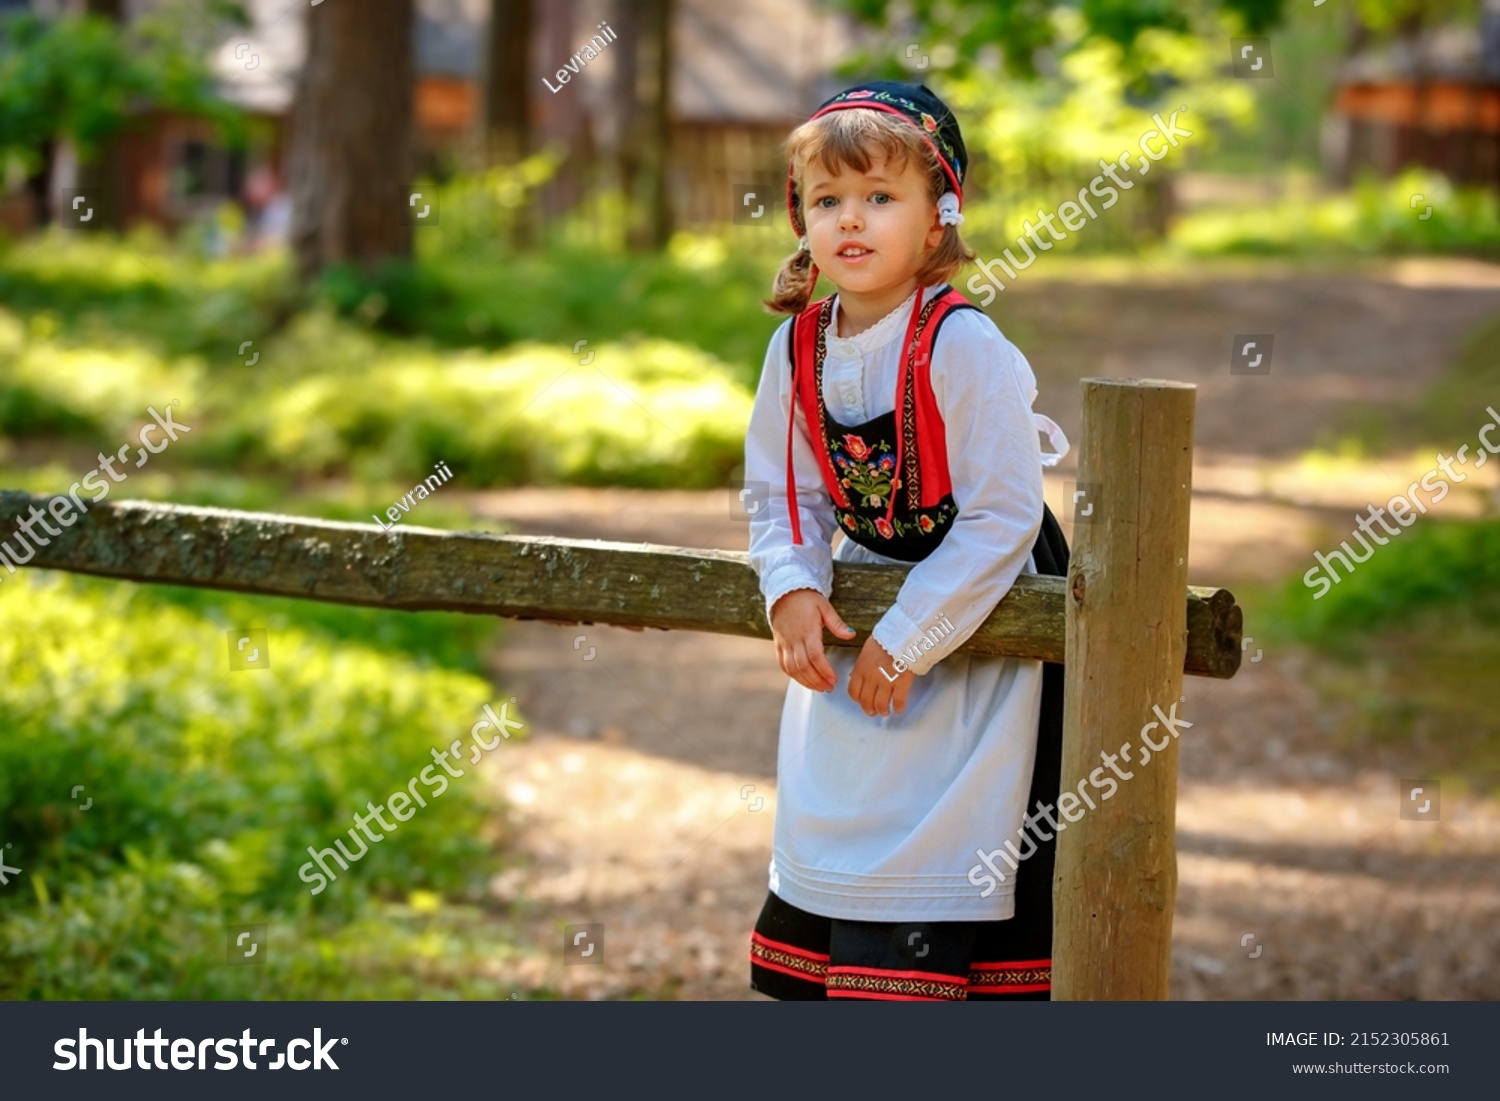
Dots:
{"x": 869, "y": 231}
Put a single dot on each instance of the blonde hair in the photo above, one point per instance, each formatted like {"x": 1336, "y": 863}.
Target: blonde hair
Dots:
{"x": 852, "y": 138}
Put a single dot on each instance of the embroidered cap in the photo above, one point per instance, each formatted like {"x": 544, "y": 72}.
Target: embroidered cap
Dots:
{"x": 918, "y": 105}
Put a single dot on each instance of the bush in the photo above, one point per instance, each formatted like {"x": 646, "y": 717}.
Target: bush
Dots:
{"x": 649, "y": 413}
{"x": 1435, "y": 565}
{"x": 1415, "y": 632}
{"x": 1375, "y": 218}
{"x": 207, "y": 789}
{"x": 327, "y": 395}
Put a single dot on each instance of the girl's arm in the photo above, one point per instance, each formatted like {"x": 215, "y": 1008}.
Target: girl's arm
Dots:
{"x": 983, "y": 388}
{"x": 782, "y": 566}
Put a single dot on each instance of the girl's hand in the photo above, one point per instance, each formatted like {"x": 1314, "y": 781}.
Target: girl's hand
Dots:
{"x": 797, "y": 622}
{"x": 871, "y": 686}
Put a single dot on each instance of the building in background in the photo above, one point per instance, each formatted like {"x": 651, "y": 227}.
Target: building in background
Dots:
{"x": 742, "y": 76}
{"x": 1431, "y": 101}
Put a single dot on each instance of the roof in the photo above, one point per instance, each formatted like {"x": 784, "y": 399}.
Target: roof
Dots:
{"x": 1461, "y": 53}
{"x": 756, "y": 60}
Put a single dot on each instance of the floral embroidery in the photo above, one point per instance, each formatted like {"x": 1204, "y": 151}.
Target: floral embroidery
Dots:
{"x": 867, "y": 472}
{"x": 929, "y": 123}
{"x": 870, "y": 473}
{"x": 900, "y": 526}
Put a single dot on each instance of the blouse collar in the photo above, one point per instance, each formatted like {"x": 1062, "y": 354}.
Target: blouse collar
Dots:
{"x": 878, "y": 335}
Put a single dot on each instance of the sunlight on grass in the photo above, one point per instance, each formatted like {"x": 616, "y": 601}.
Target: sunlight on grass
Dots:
{"x": 1416, "y": 212}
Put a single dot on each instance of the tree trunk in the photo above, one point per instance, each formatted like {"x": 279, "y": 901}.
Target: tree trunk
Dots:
{"x": 39, "y": 185}
{"x": 654, "y": 115}
{"x": 507, "y": 119}
{"x": 350, "y": 166}
{"x": 1417, "y": 141}
{"x": 661, "y": 123}
{"x": 107, "y": 169}
{"x": 629, "y": 138}
{"x": 508, "y": 88}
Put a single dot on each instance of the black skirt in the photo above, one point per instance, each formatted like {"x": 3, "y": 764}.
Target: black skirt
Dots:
{"x": 795, "y": 955}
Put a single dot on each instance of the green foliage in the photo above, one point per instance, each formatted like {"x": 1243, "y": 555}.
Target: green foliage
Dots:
{"x": 1449, "y": 409}
{"x": 1390, "y": 17}
{"x": 1435, "y": 564}
{"x": 109, "y": 330}
{"x": 84, "y": 78}
{"x": 1030, "y": 33}
{"x": 1036, "y": 144}
{"x": 1375, "y": 217}
{"x": 1415, "y": 632}
{"x": 425, "y": 640}
{"x": 471, "y": 288}
{"x": 637, "y": 413}
{"x": 105, "y": 292}
{"x": 207, "y": 789}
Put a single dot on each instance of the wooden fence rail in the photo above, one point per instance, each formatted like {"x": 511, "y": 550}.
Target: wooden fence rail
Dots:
{"x": 1123, "y": 621}
{"x": 524, "y": 577}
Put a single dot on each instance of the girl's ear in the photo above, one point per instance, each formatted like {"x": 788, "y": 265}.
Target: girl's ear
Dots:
{"x": 936, "y": 230}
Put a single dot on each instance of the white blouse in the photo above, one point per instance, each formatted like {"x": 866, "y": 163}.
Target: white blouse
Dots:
{"x": 882, "y": 819}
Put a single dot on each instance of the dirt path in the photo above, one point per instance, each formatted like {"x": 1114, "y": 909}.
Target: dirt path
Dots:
{"x": 645, "y": 798}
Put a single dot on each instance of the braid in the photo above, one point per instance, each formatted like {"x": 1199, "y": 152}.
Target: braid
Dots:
{"x": 794, "y": 284}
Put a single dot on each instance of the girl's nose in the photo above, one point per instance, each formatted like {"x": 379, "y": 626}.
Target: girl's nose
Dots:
{"x": 849, "y": 216}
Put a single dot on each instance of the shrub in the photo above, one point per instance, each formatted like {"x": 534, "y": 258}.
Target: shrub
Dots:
{"x": 207, "y": 788}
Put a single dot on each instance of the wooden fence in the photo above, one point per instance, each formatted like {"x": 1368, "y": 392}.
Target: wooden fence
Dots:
{"x": 1124, "y": 621}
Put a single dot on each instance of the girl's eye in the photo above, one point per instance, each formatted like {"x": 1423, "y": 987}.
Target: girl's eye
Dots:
{"x": 825, "y": 200}
{"x": 880, "y": 198}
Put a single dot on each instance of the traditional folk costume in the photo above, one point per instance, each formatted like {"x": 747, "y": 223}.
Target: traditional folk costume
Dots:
{"x": 877, "y": 885}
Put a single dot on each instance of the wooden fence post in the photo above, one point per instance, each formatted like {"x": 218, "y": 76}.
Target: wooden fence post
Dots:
{"x": 1116, "y": 877}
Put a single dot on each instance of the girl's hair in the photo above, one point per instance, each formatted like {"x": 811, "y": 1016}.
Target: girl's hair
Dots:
{"x": 849, "y": 139}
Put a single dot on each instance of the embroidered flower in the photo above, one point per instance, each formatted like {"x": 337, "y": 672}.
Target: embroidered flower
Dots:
{"x": 925, "y": 523}
{"x": 862, "y": 94}
{"x": 883, "y": 526}
{"x": 848, "y": 519}
{"x": 929, "y": 123}
{"x": 857, "y": 447}
{"x": 886, "y": 462}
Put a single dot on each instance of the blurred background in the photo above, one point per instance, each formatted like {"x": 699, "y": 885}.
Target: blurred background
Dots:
{"x": 356, "y": 240}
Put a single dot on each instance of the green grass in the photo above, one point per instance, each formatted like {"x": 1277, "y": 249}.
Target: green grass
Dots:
{"x": 1435, "y": 564}
{"x": 94, "y": 333}
{"x": 1413, "y": 638}
{"x": 1376, "y": 217}
{"x": 208, "y": 786}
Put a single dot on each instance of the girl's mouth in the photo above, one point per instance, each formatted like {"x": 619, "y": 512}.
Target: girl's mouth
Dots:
{"x": 854, "y": 254}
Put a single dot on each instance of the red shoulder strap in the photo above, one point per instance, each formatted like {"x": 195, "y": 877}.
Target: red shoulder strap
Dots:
{"x": 803, "y": 348}
{"x": 932, "y": 439}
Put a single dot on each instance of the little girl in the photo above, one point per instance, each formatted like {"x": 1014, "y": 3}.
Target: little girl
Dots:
{"x": 895, "y": 411}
